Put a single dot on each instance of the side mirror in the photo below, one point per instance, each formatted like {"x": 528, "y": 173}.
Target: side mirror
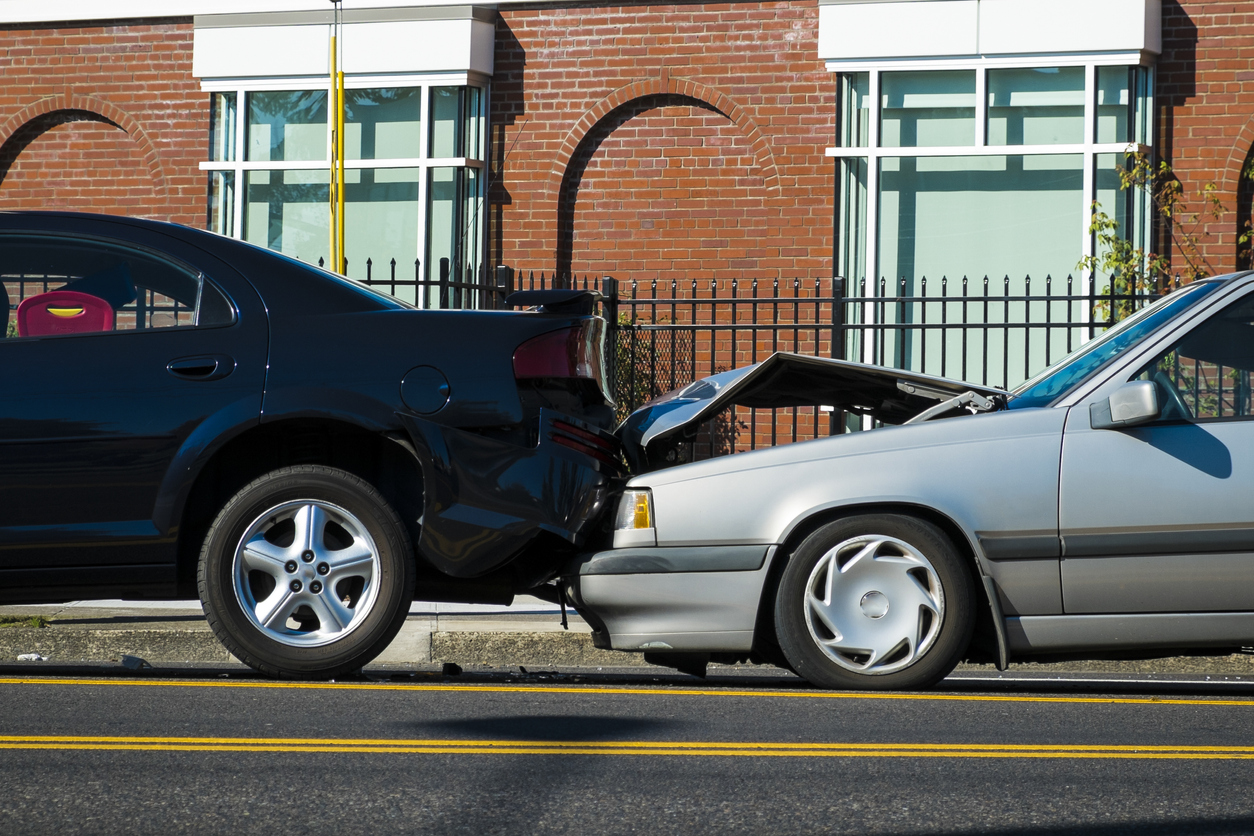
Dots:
{"x": 1131, "y": 404}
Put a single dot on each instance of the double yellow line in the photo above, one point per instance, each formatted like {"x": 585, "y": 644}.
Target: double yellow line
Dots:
{"x": 638, "y": 748}
{"x": 583, "y": 690}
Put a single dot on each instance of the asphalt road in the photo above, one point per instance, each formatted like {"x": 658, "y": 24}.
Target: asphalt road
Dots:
{"x": 616, "y": 754}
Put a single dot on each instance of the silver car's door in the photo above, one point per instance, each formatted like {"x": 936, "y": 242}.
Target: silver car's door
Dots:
{"x": 1160, "y": 517}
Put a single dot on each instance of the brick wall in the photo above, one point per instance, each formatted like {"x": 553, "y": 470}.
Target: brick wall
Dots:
{"x": 103, "y": 118}
{"x": 668, "y": 142}
{"x": 1205, "y": 97}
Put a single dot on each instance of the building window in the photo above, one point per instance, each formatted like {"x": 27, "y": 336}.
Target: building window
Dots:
{"x": 986, "y": 170}
{"x": 412, "y": 196}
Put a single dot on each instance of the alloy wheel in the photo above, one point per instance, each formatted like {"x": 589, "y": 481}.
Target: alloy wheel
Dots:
{"x": 305, "y": 573}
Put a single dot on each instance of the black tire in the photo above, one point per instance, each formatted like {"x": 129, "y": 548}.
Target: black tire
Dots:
{"x": 878, "y": 565}
{"x": 358, "y": 545}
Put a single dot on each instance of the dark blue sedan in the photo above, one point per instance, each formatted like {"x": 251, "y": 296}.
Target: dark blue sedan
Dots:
{"x": 184, "y": 413}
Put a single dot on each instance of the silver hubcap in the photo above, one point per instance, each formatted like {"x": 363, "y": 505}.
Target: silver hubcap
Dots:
{"x": 306, "y": 573}
{"x": 874, "y": 604}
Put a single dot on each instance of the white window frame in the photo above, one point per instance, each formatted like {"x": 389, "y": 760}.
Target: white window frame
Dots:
{"x": 1089, "y": 148}
{"x": 241, "y": 87}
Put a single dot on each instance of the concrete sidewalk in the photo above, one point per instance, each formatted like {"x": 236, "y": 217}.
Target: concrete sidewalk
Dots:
{"x": 526, "y": 634}
{"x": 174, "y": 632}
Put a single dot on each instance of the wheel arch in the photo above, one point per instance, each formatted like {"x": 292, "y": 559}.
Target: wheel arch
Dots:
{"x": 385, "y": 460}
{"x": 989, "y": 629}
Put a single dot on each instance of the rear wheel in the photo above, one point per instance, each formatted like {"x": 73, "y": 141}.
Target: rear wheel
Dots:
{"x": 875, "y": 602}
{"x": 306, "y": 572}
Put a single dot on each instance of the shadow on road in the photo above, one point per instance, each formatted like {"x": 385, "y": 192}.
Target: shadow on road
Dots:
{"x": 546, "y": 727}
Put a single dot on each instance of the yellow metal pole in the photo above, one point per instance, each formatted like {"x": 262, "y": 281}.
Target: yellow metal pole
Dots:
{"x": 333, "y": 256}
{"x": 339, "y": 100}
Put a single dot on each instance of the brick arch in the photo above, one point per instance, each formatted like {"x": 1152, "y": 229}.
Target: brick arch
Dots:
{"x": 700, "y": 94}
{"x": 666, "y": 185}
{"x": 1242, "y": 188}
{"x": 77, "y": 107}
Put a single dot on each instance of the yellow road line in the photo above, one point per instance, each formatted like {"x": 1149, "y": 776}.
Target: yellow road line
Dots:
{"x": 647, "y": 748}
{"x": 595, "y": 690}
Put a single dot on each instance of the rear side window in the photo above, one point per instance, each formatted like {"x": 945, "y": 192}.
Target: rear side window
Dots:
{"x": 66, "y": 285}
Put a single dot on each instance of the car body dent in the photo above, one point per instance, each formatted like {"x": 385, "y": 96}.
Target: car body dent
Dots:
{"x": 487, "y": 499}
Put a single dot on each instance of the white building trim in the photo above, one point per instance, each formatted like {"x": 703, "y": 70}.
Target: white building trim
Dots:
{"x": 425, "y": 46}
{"x": 899, "y": 30}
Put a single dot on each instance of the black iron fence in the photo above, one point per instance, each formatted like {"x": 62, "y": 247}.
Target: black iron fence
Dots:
{"x": 464, "y": 288}
{"x": 992, "y": 332}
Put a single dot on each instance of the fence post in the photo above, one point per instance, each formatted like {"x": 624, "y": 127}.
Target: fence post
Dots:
{"x": 504, "y": 284}
{"x": 444, "y": 270}
{"x": 836, "y": 418}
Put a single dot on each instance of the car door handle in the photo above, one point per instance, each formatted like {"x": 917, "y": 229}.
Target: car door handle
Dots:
{"x": 204, "y": 367}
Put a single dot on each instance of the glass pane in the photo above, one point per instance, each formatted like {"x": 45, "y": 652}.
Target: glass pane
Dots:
{"x": 851, "y": 219}
{"x": 447, "y": 130}
{"x": 289, "y": 211}
{"x": 383, "y": 124}
{"x": 927, "y": 109}
{"x": 102, "y": 288}
{"x": 1144, "y": 128}
{"x": 222, "y": 129}
{"x": 222, "y": 202}
{"x": 1014, "y": 219}
{"x": 855, "y": 110}
{"x": 977, "y": 216}
{"x": 1036, "y": 106}
{"x": 474, "y": 124}
{"x": 1125, "y": 206}
{"x": 454, "y": 235}
{"x": 287, "y": 125}
{"x": 381, "y": 227}
{"x": 472, "y": 225}
{"x": 1115, "y": 107}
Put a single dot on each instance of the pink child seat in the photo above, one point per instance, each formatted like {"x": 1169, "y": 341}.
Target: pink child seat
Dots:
{"x": 63, "y": 312}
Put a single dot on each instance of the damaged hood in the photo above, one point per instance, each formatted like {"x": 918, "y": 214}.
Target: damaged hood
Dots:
{"x": 891, "y": 396}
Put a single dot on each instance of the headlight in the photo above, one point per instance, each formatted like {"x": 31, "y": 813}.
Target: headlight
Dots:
{"x": 635, "y": 510}
{"x": 634, "y": 523}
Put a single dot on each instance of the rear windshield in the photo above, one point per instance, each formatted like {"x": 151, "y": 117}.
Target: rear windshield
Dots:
{"x": 346, "y": 284}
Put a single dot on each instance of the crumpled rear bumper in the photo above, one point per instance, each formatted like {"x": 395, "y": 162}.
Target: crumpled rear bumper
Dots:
{"x": 486, "y": 500}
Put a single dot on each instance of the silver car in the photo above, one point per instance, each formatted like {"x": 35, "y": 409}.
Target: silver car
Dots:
{"x": 1106, "y": 504}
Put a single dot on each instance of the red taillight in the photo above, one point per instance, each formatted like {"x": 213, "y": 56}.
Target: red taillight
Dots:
{"x": 588, "y": 443}
{"x": 571, "y": 352}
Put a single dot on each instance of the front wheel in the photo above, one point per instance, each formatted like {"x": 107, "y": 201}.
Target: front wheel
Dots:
{"x": 875, "y": 602}
{"x": 307, "y": 572}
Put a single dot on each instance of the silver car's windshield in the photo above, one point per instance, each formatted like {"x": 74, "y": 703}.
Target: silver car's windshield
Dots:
{"x": 1059, "y": 378}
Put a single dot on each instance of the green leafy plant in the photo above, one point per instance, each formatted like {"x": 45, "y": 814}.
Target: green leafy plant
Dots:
{"x": 1134, "y": 270}
{"x": 37, "y": 621}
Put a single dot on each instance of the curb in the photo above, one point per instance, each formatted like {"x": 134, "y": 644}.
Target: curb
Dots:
{"x": 414, "y": 645}
{"x": 418, "y": 644}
